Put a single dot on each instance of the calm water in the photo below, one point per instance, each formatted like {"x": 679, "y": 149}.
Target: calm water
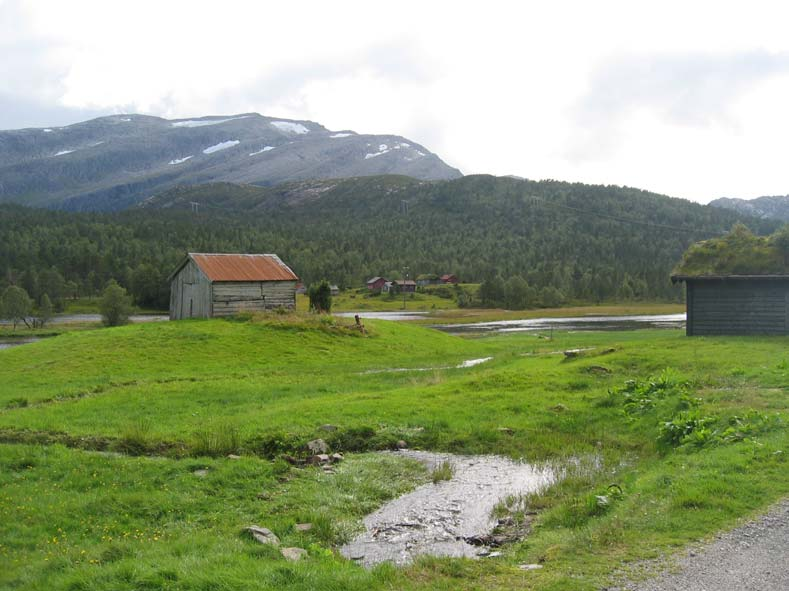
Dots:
{"x": 8, "y": 343}
{"x": 581, "y": 323}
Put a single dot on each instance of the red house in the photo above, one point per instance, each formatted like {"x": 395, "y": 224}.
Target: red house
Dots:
{"x": 449, "y": 278}
{"x": 376, "y": 283}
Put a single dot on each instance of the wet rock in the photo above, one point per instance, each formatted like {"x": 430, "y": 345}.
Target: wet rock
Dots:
{"x": 294, "y": 554}
{"x": 303, "y": 527}
{"x": 529, "y": 566}
{"x": 318, "y": 459}
{"x": 200, "y": 473}
{"x": 263, "y": 535}
{"x": 317, "y": 446}
{"x": 337, "y": 457}
{"x": 401, "y": 444}
{"x": 327, "y": 428}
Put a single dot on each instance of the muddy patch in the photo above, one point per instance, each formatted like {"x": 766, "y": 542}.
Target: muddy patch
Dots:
{"x": 448, "y": 517}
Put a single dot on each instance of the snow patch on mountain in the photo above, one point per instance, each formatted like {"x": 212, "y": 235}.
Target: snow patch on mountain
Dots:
{"x": 180, "y": 160}
{"x": 221, "y": 146}
{"x": 290, "y": 127}
{"x": 382, "y": 149}
{"x": 338, "y": 135}
{"x": 47, "y": 130}
{"x": 265, "y": 149}
{"x": 63, "y": 152}
{"x": 202, "y": 123}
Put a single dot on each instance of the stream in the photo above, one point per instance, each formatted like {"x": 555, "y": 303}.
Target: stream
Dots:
{"x": 436, "y": 519}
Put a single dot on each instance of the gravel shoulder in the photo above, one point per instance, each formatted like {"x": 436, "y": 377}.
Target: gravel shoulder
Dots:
{"x": 753, "y": 557}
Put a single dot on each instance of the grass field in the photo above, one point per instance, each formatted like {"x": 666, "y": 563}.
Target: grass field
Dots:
{"x": 114, "y": 475}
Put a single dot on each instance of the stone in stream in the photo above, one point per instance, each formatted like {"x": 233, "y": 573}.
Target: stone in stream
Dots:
{"x": 294, "y": 554}
{"x": 263, "y": 535}
{"x": 317, "y": 446}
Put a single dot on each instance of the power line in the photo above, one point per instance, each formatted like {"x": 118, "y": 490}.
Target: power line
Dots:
{"x": 616, "y": 218}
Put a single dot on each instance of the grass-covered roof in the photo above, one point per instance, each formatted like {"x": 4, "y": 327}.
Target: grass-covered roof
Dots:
{"x": 739, "y": 252}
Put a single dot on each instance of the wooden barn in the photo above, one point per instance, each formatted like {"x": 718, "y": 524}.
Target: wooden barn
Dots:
{"x": 208, "y": 285}
{"x": 736, "y": 304}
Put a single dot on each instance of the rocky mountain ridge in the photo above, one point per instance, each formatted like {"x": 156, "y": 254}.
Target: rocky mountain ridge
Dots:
{"x": 772, "y": 207}
{"x": 113, "y": 162}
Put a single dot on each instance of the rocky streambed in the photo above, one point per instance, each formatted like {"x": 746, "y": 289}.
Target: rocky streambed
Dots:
{"x": 448, "y": 517}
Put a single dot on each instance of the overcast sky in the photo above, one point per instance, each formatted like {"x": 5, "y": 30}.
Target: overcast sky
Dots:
{"x": 685, "y": 98}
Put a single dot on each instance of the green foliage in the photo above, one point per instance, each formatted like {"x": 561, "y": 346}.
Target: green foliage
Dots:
{"x": 15, "y": 304}
{"x": 740, "y": 252}
{"x": 320, "y": 297}
{"x": 115, "y": 305}
{"x": 44, "y": 311}
{"x": 355, "y": 230}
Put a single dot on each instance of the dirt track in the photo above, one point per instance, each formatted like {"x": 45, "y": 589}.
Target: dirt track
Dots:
{"x": 754, "y": 557}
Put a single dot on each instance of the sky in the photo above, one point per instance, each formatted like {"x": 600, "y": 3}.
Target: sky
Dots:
{"x": 689, "y": 99}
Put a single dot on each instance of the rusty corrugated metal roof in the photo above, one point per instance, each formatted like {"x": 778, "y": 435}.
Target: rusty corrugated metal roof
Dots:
{"x": 243, "y": 267}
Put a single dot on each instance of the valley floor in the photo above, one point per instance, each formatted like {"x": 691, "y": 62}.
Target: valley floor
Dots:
{"x": 135, "y": 457}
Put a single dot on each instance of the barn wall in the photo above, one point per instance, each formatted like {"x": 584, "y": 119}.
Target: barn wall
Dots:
{"x": 727, "y": 307}
{"x": 230, "y": 297}
{"x": 190, "y": 294}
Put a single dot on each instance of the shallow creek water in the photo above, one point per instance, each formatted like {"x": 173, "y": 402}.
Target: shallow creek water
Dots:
{"x": 435, "y": 518}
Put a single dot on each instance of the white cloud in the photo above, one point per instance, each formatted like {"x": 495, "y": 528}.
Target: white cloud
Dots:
{"x": 678, "y": 97}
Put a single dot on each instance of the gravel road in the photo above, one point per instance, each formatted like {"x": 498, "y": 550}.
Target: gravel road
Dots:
{"x": 754, "y": 557}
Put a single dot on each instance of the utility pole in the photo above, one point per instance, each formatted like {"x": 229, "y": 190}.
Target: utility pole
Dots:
{"x": 405, "y": 274}
{"x": 195, "y": 206}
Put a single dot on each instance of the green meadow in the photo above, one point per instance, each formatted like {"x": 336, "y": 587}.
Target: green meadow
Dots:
{"x": 114, "y": 467}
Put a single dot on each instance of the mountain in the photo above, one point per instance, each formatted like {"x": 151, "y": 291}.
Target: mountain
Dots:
{"x": 776, "y": 207}
{"x": 113, "y": 162}
{"x": 588, "y": 242}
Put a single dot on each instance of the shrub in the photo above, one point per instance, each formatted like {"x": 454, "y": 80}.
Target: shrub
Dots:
{"x": 320, "y": 297}
{"x": 115, "y": 305}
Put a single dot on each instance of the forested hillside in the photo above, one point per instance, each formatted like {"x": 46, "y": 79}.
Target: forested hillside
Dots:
{"x": 589, "y": 243}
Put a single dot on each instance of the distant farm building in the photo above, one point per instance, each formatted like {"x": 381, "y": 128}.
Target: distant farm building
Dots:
{"x": 376, "y": 283}
{"x": 427, "y": 279}
{"x": 334, "y": 290}
{"x": 400, "y": 286}
{"x": 736, "y": 304}
{"x": 208, "y": 285}
{"x": 449, "y": 278}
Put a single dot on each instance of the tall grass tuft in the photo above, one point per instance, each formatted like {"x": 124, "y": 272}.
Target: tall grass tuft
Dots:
{"x": 217, "y": 440}
{"x": 444, "y": 471}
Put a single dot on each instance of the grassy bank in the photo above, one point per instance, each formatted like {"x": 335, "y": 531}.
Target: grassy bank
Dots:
{"x": 691, "y": 431}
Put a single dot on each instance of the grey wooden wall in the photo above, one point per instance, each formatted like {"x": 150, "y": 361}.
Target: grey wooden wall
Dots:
{"x": 232, "y": 297}
{"x": 190, "y": 293}
{"x": 737, "y": 307}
